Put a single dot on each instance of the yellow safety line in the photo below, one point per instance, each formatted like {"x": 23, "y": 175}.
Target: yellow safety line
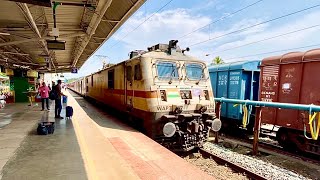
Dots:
{"x": 90, "y": 167}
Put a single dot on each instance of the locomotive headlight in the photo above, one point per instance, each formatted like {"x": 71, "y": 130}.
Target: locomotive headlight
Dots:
{"x": 169, "y": 129}
{"x": 216, "y": 125}
{"x": 206, "y": 94}
{"x": 163, "y": 95}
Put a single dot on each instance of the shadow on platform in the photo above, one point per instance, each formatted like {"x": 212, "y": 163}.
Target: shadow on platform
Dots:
{"x": 103, "y": 115}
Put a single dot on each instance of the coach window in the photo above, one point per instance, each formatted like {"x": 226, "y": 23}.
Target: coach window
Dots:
{"x": 129, "y": 73}
{"x": 91, "y": 80}
{"x": 137, "y": 72}
{"x": 111, "y": 79}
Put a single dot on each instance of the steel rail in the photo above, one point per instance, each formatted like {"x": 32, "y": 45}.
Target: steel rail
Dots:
{"x": 233, "y": 166}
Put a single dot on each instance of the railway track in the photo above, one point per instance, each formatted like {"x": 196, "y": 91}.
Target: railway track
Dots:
{"x": 274, "y": 149}
{"x": 233, "y": 166}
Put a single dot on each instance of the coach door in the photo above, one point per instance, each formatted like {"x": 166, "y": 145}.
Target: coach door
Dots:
{"x": 129, "y": 86}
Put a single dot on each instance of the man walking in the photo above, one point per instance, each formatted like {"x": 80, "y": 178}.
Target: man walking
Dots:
{"x": 58, "y": 103}
{"x": 44, "y": 93}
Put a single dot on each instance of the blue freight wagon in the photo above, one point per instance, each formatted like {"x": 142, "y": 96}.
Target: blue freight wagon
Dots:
{"x": 236, "y": 80}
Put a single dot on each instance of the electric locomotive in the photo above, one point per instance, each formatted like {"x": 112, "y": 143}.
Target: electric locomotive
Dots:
{"x": 162, "y": 90}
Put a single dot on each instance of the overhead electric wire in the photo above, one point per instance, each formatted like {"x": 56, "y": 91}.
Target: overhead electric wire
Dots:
{"x": 258, "y": 24}
{"x": 273, "y": 37}
{"x": 162, "y": 7}
{"x": 222, "y": 18}
{"x": 290, "y": 49}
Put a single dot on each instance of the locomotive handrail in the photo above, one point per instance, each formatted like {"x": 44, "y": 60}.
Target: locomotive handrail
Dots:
{"x": 304, "y": 107}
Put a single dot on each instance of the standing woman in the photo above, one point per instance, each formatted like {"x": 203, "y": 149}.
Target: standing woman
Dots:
{"x": 44, "y": 93}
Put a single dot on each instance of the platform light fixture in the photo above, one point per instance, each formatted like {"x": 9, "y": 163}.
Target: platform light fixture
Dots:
{"x": 56, "y": 45}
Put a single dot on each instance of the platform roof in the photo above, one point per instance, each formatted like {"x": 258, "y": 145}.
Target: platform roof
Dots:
{"x": 83, "y": 24}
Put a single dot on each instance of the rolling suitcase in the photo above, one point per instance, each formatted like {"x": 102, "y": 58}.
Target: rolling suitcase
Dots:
{"x": 69, "y": 112}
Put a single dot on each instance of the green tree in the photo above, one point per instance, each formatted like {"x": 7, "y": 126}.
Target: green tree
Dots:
{"x": 217, "y": 60}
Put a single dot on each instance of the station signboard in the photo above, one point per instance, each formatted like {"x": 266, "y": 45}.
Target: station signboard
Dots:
{"x": 74, "y": 70}
{"x": 56, "y": 45}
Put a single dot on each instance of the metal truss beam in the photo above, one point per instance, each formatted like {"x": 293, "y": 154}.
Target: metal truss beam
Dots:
{"x": 101, "y": 9}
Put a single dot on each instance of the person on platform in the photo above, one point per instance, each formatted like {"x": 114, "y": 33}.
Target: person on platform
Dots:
{"x": 58, "y": 103}
{"x": 44, "y": 93}
{"x": 2, "y": 100}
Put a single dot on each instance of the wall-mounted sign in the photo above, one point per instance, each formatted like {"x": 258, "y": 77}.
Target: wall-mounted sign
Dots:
{"x": 74, "y": 70}
{"x": 32, "y": 73}
{"x": 9, "y": 72}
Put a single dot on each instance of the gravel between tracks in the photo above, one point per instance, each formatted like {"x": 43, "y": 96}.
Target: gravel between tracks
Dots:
{"x": 265, "y": 169}
{"x": 212, "y": 168}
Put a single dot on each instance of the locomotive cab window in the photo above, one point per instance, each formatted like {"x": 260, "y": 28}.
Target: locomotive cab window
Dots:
{"x": 137, "y": 72}
{"x": 111, "y": 79}
{"x": 194, "y": 71}
{"x": 167, "y": 70}
{"x": 129, "y": 73}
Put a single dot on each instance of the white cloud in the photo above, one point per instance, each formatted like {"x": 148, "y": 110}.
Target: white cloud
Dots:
{"x": 298, "y": 39}
{"x": 172, "y": 24}
{"x": 161, "y": 27}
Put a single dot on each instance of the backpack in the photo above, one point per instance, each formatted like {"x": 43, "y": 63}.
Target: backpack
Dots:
{"x": 53, "y": 93}
{"x": 45, "y": 128}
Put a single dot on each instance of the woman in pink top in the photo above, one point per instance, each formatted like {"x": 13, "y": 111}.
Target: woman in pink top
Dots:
{"x": 44, "y": 93}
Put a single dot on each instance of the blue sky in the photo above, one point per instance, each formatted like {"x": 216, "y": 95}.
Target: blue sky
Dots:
{"x": 183, "y": 16}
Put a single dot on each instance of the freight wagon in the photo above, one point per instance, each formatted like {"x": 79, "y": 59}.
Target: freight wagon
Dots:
{"x": 292, "y": 78}
{"x": 289, "y": 78}
{"x": 237, "y": 80}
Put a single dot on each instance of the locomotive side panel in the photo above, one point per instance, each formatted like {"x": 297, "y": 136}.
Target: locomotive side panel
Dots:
{"x": 136, "y": 93}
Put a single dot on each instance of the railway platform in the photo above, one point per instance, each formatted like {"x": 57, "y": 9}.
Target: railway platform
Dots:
{"x": 16, "y": 121}
{"x": 93, "y": 145}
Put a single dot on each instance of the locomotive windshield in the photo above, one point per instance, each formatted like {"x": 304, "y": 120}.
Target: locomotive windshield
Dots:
{"x": 194, "y": 71}
{"x": 167, "y": 70}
